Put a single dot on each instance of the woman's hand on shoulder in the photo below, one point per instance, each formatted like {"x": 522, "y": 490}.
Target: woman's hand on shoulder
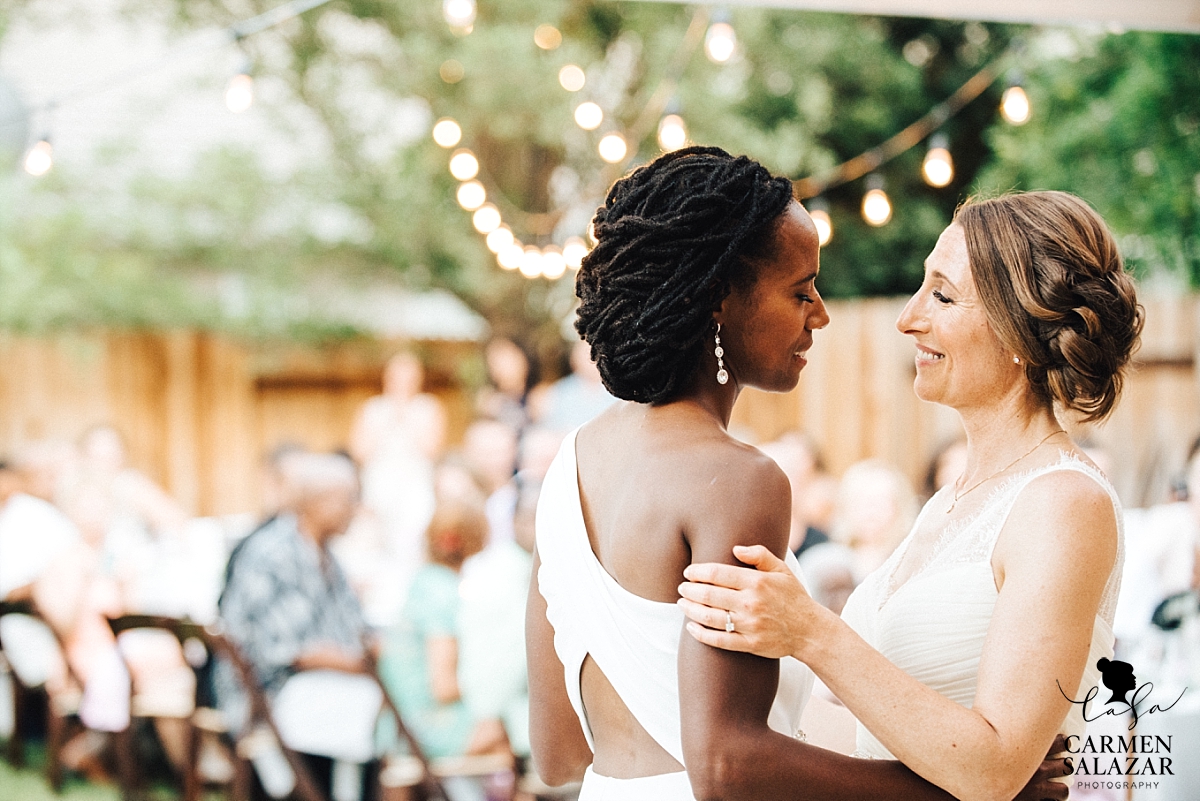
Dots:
{"x": 771, "y": 613}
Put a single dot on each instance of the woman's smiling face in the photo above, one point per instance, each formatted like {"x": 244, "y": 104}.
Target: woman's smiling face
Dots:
{"x": 960, "y": 361}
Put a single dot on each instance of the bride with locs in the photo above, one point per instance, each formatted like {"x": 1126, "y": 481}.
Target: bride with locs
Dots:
{"x": 957, "y": 656}
{"x": 703, "y": 281}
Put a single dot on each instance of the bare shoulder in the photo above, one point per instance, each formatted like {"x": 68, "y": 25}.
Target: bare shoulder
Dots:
{"x": 746, "y": 498}
{"x": 1063, "y": 514}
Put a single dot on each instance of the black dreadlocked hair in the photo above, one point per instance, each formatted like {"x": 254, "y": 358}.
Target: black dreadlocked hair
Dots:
{"x": 672, "y": 239}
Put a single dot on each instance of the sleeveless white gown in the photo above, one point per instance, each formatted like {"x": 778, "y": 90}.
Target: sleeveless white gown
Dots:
{"x": 933, "y": 625}
{"x": 634, "y": 641}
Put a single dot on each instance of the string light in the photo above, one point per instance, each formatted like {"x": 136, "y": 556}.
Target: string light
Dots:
{"x": 239, "y": 94}
{"x": 672, "y": 133}
{"x": 571, "y": 78}
{"x": 486, "y": 218}
{"x": 588, "y": 116}
{"x": 613, "y": 148}
{"x": 818, "y": 209}
{"x": 451, "y": 71}
{"x": 499, "y": 239}
{"x": 1014, "y": 105}
{"x": 876, "y": 207}
{"x": 459, "y": 15}
{"x": 573, "y": 252}
{"x": 720, "y": 41}
{"x": 471, "y": 195}
{"x": 511, "y": 255}
{"x": 554, "y": 264}
{"x": 463, "y": 165}
{"x": 40, "y": 158}
{"x": 531, "y": 262}
{"x": 938, "y": 167}
{"x": 547, "y": 37}
{"x": 447, "y": 133}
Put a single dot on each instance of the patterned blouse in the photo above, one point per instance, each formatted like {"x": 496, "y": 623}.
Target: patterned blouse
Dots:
{"x": 283, "y": 596}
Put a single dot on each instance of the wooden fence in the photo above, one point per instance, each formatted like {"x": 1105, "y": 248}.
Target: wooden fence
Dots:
{"x": 199, "y": 410}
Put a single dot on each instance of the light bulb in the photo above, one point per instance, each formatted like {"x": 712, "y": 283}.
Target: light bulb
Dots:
{"x": 824, "y": 225}
{"x": 672, "y": 133}
{"x": 588, "y": 116}
{"x": 446, "y": 132}
{"x": 613, "y": 148}
{"x": 1014, "y": 105}
{"x": 459, "y": 15}
{"x": 486, "y": 218}
{"x": 720, "y": 42}
{"x": 938, "y": 167}
{"x": 239, "y": 95}
{"x": 876, "y": 208}
{"x": 40, "y": 158}
{"x": 511, "y": 255}
{"x": 499, "y": 239}
{"x": 531, "y": 262}
{"x": 573, "y": 252}
{"x": 554, "y": 264}
{"x": 547, "y": 37}
{"x": 463, "y": 165}
{"x": 471, "y": 195}
{"x": 571, "y": 78}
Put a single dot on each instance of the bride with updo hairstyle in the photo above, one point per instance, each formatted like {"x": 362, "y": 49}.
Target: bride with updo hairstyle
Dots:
{"x": 703, "y": 282}
{"x": 985, "y": 628}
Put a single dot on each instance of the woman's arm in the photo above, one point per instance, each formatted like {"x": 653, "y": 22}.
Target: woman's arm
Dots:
{"x": 725, "y": 697}
{"x": 441, "y": 653}
{"x": 1052, "y": 560}
{"x": 560, "y": 751}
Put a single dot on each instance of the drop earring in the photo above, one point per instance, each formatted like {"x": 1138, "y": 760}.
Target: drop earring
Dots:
{"x": 719, "y": 352}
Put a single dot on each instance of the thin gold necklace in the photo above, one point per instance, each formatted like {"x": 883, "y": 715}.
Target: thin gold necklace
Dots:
{"x": 958, "y": 495}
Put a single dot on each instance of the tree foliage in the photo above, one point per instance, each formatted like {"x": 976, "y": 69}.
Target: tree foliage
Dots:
{"x": 233, "y": 243}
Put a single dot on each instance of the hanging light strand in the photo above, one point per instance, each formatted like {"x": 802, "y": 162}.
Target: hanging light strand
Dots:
{"x": 911, "y": 136}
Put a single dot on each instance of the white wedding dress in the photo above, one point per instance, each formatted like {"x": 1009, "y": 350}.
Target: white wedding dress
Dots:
{"x": 933, "y": 625}
{"x": 634, "y": 641}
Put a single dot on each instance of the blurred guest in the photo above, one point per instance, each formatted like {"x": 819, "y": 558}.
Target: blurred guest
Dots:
{"x": 397, "y": 438}
{"x": 577, "y": 397}
{"x": 829, "y": 572}
{"x": 288, "y": 607}
{"x": 489, "y": 451}
{"x": 510, "y": 375}
{"x": 798, "y": 459}
{"x": 32, "y": 534}
{"x": 420, "y": 657}
{"x": 1162, "y": 556}
{"x": 76, "y": 594}
{"x": 493, "y": 675}
{"x": 135, "y": 500}
{"x": 876, "y": 507}
{"x": 44, "y": 465}
{"x": 945, "y": 466}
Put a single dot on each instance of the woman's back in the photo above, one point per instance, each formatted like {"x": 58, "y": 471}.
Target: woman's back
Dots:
{"x": 612, "y": 556}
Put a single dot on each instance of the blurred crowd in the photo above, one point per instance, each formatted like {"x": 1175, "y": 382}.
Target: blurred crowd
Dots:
{"x": 409, "y": 558}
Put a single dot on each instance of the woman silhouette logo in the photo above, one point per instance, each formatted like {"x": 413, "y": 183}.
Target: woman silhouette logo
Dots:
{"x": 1118, "y": 677}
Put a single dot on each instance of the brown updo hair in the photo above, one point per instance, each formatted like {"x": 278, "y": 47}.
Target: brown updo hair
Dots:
{"x": 1055, "y": 292}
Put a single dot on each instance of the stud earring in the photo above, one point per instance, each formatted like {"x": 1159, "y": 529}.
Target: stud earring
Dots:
{"x": 1016, "y": 359}
{"x": 719, "y": 352}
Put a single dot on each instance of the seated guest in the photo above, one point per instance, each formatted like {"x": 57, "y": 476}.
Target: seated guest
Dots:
{"x": 288, "y": 607}
{"x": 420, "y": 657}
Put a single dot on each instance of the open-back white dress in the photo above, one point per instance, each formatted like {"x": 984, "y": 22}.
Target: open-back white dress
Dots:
{"x": 933, "y": 625}
{"x": 634, "y": 641}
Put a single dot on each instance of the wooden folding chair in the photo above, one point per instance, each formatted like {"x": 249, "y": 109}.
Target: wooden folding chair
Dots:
{"x": 215, "y": 643}
{"x": 59, "y": 712}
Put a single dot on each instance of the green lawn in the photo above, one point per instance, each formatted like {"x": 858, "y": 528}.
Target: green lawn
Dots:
{"x": 29, "y": 784}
